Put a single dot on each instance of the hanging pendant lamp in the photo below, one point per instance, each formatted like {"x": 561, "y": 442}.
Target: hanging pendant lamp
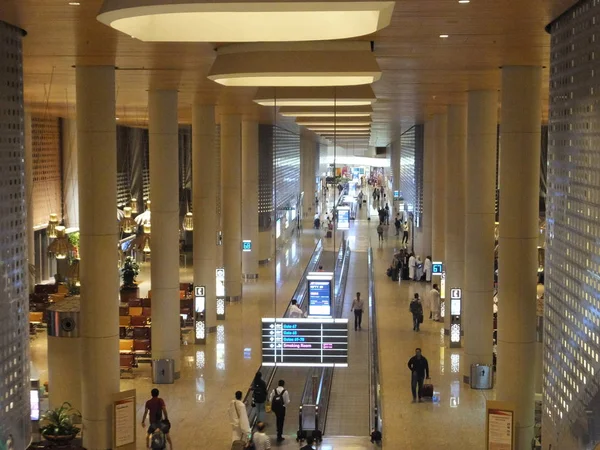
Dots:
{"x": 134, "y": 206}
{"x": 60, "y": 247}
{"x": 52, "y": 224}
{"x": 128, "y": 225}
{"x": 188, "y": 222}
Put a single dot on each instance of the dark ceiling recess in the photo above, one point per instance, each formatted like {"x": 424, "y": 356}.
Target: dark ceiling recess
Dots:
{"x": 380, "y": 151}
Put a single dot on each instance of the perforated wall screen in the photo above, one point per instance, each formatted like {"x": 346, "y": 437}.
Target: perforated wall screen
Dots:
{"x": 14, "y": 317}
{"x": 571, "y": 408}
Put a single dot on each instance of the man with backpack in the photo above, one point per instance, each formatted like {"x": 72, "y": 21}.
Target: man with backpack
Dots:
{"x": 155, "y": 410}
{"x": 158, "y": 436}
{"x": 279, "y": 399}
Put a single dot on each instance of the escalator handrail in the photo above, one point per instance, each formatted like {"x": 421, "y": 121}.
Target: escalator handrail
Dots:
{"x": 375, "y": 382}
{"x": 299, "y": 295}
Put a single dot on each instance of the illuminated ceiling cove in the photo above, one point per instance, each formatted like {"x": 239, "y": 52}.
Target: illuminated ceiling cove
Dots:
{"x": 268, "y": 21}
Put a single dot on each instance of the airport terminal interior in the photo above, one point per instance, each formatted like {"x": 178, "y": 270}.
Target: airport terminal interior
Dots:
{"x": 390, "y": 210}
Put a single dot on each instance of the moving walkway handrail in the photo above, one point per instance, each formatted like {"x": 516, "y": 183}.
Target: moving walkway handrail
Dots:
{"x": 375, "y": 397}
{"x": 299, "y": 295}
{"x": 325, "y": 374}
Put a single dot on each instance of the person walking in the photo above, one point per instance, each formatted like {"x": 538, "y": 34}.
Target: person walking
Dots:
{"x": 405, "y": 233}
{"x": 279, "y": 399}
{"x": 419, "y": 368}
{"x": 397, "y": 224}
{"x": 427, "y": 268}
{"x": 412, "y": 264}
{"x": 357, "y": 306}
{"x": 416, "y": 309}
{"x": 387, "y": 214}
{"x": 295, "y": 312}
{"x": 238, "y": 417}
{"x": 434, "y": 301}
{"x": 259, "y": 396}
{"x": 260, "y": 439}
{"x": 155, "y": 410}
{"x": 380, "y": 231}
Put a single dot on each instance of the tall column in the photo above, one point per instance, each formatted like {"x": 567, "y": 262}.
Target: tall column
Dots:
{"x": 520, "y": 129}
{"x": 231, "y": 176}
{"x": 250, "y": 197}
{"x": 204, "y": 203}
{"x": 438, "y": 229}
{"x": 163, "y": 131}
{"x": 97, "y": 137}
{"x": 429, "y": 150}
{"x": 478, "y": 296}
{"x": 395, "y": 162}
{"x": 455, "y": 199}
{"x": 28, "y": 144}
{"x": 70, "y": 189}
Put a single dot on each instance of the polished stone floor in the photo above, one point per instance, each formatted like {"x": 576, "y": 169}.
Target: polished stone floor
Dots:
{"x": 211, "y": 373}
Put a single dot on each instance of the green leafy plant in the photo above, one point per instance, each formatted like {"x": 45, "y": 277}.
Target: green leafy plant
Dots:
{"x": 59, "y": 421}
{"x": 129, "y": 271}
{"x": 74, "y": 241}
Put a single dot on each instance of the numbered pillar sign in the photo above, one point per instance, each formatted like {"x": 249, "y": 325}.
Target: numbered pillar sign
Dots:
{"x": 200, "y": 314}
{"x": 455, "y": 317}
{"x": 220, "y": 285}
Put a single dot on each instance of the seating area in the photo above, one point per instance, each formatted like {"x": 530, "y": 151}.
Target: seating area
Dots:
{"x": 135, "y": 324}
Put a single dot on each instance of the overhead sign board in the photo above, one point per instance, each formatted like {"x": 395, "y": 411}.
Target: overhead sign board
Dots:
{"x": 247, "y": 246}
{"x": 343, "y": 218}
{"x": 437, "y": 268}
{"x": 320, "y": 294}
{"x": 305, "y": 342}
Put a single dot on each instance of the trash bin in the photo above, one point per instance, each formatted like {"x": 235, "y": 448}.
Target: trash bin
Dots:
{"x": 481, "y": 376}
{"x": 163, "y": 371}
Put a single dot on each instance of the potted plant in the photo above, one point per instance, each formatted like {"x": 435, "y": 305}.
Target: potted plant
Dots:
{"x": 59, "y": 427}
{"x": 129, "y": 271}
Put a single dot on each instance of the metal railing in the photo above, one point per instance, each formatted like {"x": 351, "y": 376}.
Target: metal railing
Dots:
{"x": 299, "y": 295}
{"x": 315, "y": 397}
{"x": 375, "y": 382}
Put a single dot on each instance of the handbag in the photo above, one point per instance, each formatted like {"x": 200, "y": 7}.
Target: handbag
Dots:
{"x": 421, "y": 318}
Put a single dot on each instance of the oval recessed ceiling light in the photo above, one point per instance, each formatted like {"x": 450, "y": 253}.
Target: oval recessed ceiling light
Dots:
{"x": 244, "y": 21}
{"x": 295, "y": 64}
{"x": 464, "y": 1}
{"x": 316, "y": 96}
{"x": 444, "y": 36}
{"x": 74, "y": 4}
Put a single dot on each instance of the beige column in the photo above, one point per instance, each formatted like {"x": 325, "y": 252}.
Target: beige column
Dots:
{"x": 520, "y": 129}
{"x": 250, "y": 197}
{"x": 231, "y": 208}
{"x": 163, "y": 132}
{"x": 204, "y": 202}
{"x": 28, "y": 144}
{"x": 428, "y": 151}
{"x": 438, "y": 228}
{"x": 478, "y": 295}
{"x": 96, "y": 134}
{"x": 455, "y": 200}
{"x": 70, "y": 187}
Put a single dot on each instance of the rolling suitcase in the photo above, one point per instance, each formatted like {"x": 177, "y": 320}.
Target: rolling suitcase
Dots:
{"x": 427, "y": 391}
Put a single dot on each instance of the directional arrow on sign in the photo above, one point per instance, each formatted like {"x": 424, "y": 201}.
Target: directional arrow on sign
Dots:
{"x": 272, "y": 345}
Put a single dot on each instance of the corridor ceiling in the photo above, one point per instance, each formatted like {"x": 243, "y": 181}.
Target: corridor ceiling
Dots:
{"x": 422, "y": 72}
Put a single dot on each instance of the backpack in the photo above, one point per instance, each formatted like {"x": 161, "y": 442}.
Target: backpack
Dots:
{"x": 158, "y": 440}
{"x": 416, "y": 308}
{"x": 259, "y": 394}
{"x": 278, "y": 404}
